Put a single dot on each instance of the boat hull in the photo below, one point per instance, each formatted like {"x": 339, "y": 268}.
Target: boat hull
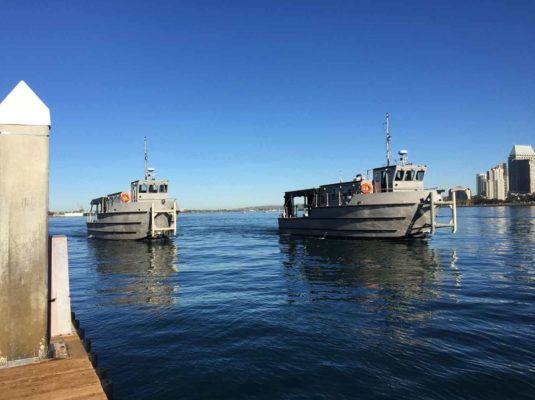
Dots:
{"x": 378, "y": 215}
{"x": 132, "y": 222}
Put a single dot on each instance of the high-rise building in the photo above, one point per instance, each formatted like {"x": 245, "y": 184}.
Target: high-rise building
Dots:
{"x": 496, "y": 182}
{"x": 481, "y": 185}
{"x": 521, "y": 169}
{"x": 505, "y": 178}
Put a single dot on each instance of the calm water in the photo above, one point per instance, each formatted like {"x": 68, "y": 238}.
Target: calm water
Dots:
{"x": 231, "y": 309}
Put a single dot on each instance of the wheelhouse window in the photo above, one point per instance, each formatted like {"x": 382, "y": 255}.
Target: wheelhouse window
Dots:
{"x": 409, "y": 175}
{"x": 420, "y": 175}
{"x": 384, "y": 181}
{"x": 399, "y": 175}
{"x": 153, "y": 188}
{"x": 163, "y": 188}
{"x": 143, "y": 188}
{"x": 377, "y": 177}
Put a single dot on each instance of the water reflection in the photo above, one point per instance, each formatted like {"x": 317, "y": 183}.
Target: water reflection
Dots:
{"x": 135, "y": 272}
{"x": 395, "y": 277}
{"x": 521, "y": 242}
{"x": 455, "y": 270}
{"x": 521, "y": 224}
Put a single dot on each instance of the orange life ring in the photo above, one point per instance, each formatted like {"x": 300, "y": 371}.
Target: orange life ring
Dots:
{"x": 125, "y": 197}
{"x": 366, "y": 188}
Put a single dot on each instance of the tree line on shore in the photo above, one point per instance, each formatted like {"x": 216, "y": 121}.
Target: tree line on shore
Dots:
{"x": 517, "y": 199}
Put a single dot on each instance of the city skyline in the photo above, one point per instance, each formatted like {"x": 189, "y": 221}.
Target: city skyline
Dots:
{"x": 245, "y": 101}
{"x": 516, "y": 177}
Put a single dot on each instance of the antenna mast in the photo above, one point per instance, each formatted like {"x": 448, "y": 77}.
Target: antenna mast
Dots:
{"x": 146, "y": 160}
{"x": 387, "y": 142}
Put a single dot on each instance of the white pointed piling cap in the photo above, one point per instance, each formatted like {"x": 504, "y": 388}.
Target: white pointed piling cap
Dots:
{"x": 23, "y": 107}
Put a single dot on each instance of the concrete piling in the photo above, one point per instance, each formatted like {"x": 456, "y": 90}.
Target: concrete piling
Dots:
{"x": 107, "y": 386}
{"x": 87, "y": 344}
{"x": 93, "y": 358}
{"x": 102, "y": 373}
{"x": 24, "y": 160}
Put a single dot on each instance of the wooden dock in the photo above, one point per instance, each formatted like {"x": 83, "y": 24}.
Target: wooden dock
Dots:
{"x": 72, "y": 377}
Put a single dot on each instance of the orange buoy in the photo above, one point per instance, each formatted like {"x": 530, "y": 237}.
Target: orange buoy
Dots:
{"x": 125, "y": 197}
{"x": 366, "y": 188}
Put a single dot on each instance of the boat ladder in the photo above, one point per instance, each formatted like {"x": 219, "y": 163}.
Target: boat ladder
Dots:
{"x": 154, "y": 213}
{"x": 438, "y": 202}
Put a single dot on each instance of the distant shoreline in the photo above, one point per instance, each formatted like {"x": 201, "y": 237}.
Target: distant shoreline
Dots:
{"x": 239, "y": 210}
{"x": 498, "y": 205}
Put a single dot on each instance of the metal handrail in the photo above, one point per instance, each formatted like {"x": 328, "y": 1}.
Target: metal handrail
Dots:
{"x": 442, "y": 204}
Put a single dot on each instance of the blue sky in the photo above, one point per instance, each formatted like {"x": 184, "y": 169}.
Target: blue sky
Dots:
{"x": 244, "y": 100}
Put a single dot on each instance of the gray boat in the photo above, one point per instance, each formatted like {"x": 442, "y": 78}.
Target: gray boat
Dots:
{"x": 392, "y": 204}
{"x": 144, "y": 212}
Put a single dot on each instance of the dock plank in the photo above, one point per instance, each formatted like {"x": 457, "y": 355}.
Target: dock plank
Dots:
{"x": 66, "y": 378}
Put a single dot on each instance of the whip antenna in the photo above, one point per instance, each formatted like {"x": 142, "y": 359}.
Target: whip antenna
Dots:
{"x": 146, "y": 160}
{"x": 387, "y": 142}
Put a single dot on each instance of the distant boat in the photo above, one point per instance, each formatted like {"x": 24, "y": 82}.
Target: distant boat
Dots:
{"x": 393, "y": 204}
{"x": 145, "y": 212}
{"x": 74, "y": 214}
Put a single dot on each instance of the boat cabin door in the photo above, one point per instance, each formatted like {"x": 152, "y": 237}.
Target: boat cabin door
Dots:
{"x": 382, "y": 179}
